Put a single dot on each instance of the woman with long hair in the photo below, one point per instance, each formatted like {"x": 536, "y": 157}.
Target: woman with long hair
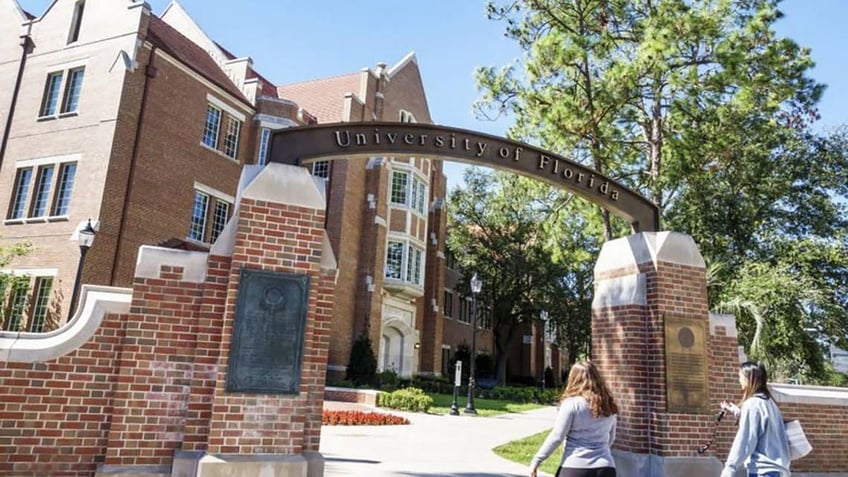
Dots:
{"x": 761, "y": 438}
{"x": 586, "y": 422}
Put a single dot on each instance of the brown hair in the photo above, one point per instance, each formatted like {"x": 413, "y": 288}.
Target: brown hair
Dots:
{"x": 585, "y": 380}
{"x": 756, "y": 379}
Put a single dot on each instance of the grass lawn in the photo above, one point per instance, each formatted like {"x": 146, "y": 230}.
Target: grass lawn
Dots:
{"x": 485, "y": 407}
{"x": 523, "y": 450}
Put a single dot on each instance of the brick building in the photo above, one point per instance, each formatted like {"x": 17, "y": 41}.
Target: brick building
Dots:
{"x": 142, "y": 124}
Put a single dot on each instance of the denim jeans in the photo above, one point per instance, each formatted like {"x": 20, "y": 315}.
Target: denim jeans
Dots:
{"x": 767, "y": 474}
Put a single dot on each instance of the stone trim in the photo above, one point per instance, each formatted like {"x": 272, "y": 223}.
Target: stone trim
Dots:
{"x": 621, "y": 291}
{"x": 822, "y": 395}
{"x": 151, "y": 260}
{"x": 649, "y": 247}
{"x": 95, "y": 303}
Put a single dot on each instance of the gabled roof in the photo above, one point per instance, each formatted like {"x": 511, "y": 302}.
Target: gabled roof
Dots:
{"x": 324, "y": 98}
{"x": 187, "y": 52}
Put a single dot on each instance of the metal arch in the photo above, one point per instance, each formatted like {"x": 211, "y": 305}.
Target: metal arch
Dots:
{"x": 299, "y": 145}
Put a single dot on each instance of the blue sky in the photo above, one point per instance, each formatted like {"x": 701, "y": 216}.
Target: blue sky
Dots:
{"x": 292, "y": 41}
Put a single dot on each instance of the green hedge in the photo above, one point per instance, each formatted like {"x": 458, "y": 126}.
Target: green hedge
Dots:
{"x": 407, "y": 399}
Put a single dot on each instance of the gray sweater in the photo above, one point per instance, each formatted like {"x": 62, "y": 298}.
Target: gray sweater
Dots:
{"x": 587, "y": 438}
{"x": 760, "y": 441}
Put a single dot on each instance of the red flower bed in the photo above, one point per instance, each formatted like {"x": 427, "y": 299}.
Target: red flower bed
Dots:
{"x": 359, "y": 418}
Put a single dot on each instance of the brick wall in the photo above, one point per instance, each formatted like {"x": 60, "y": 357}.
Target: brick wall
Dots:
{"x": 55, "y": 416}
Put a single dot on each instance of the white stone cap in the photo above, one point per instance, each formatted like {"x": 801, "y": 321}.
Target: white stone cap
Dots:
{"x": 150, "y": 261}
{"x": 728, "y": 322}
{"x": 281, "y": 184}
{"x": 95, "y": 302}
{"x": 824, "y": 395}
{"x": 649, "y": 247}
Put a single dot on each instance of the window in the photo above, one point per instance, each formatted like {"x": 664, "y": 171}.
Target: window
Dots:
{"x": 408, "y": 189}
{"x": 418, "y": 193}
{"x": 63, "y": 193}
{"x": 413, "y": 265}
{"x": 76, "y": 21}
{"x": 464, "y": 310}
{"x": 72, "y": 90}
{"x": 264, "y": 138}
{"x": 53, "y": 88}
{"x": 321, "y": 169}
{"x": 17, "y": 306}
{"x": 19, "y": 196}
{"x": 394, "y": 260}
{"x": 231, "y": 140}
{"x": 213, "y": 123}
{"x": 198, "y": 216}
{"x": 219, "y": 219}
{"x": 209, "y": 215}
{"x": 24, "y": 312}
{"x": 49, "y": 198}
{"x": 51, "y": 94}
{"x": 42, "y": 191}
{"x": 406, "y": 117}
{"x": 405, "y": 261}
{"x": 40, "y": 303}
{"x": 400, "y": 187}
{"x": 448, "y": 304}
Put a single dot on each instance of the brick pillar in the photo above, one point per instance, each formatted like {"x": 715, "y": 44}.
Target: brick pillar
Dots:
{"x": 642, "y": 283}
{"x": 154, "y": 366}
{"x": 278, "y": 227}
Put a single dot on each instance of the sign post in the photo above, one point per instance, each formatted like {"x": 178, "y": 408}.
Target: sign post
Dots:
{"x": 454, "y": 410}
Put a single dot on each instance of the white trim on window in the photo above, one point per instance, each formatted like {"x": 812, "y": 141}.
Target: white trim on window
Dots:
{"x": 47, "y": 160}
{"x": 213, "y": 191}
{"x": 224, "y": 106}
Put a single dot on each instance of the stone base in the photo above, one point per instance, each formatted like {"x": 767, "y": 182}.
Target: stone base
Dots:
{"x": 642, "y": 465}
{"x": 133, "y": 471}
{"x": 315, "y": 464}
{"x": 185, "y": 463}
{"x": 255, "y": 465}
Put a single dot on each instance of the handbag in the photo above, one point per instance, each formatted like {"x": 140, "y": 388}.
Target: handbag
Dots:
{"x": 799, "y": 446}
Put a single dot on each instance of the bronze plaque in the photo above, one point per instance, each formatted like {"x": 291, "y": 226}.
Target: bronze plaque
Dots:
{"x": 266, "y": 350}
{"x": 687, "y": 373}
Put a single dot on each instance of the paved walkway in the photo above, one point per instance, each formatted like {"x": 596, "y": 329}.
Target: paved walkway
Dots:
{"x": 448, "y": 446}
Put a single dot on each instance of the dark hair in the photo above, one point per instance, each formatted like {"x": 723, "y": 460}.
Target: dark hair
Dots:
{"x": 585, "y": 380}
{"x": 756, "y": 379}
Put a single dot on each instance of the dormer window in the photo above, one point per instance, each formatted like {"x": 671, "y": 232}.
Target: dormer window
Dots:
{"x": 76, "y": 21}
{"x": 407, "y": 117}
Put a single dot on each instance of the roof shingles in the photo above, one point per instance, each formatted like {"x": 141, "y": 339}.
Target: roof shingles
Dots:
{"x": 175, "y": 44}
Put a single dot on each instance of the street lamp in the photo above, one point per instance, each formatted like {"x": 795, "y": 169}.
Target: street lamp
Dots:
{"x": 85, "y": 237}
{"x": 476, "y": 285}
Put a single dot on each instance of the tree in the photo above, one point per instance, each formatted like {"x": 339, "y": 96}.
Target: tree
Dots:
{"x": 702, "y": 108}
{"x": 501, "y": 227}
{"x": 11, "y": 285}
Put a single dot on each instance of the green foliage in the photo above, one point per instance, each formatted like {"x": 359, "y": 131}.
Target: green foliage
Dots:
{"x": 388, "y": 380}
{"x": 12, "y": 286}
{"x": 362, "y": 367}
{"x": 704, "y": 109}
{"x": 407, "y": 399}
{"x": 523, "y": 450}
{"x": 513, "y": 233}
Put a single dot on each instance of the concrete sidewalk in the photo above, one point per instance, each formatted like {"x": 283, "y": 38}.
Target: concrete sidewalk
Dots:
{"x": 452, "y": 446}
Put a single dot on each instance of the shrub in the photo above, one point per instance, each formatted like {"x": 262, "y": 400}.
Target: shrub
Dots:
{"x": 360, "y": 418}
{"x": 407, "y": 399}
{"x": 388, "y": 380}
{"x": 362, "y": 368}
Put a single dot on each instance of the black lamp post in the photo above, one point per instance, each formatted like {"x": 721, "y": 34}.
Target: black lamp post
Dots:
{"x": 85, "y": 237}
{"x": 476, "y": 285}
